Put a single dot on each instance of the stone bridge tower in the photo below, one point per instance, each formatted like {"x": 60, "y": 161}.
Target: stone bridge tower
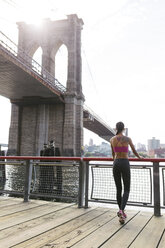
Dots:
{"x": 35, "y": 121}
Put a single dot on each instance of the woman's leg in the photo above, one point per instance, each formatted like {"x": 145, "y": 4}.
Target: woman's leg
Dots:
{"x": 117, "y": 178}
{"x": 126, "y": 181}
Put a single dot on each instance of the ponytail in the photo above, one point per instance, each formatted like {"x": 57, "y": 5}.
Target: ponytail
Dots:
{"x": 119, "y": 127}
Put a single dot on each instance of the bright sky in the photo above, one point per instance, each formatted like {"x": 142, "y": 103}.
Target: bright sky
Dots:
{"x": 123, "y": 54}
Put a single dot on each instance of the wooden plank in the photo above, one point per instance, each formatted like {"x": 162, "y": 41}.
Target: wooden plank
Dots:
{"x": 81, "y": 232}
{"x": 61, "y": 230}
{"x": 9, "y": 201}
{"x": 20, "y": 206}
{"x": 127, "y": 234}
{"x": 72, "y": 227}
{"x": 95, "y": 239}
{"x": 162, "y": 241}
{"x": 10, "y": 198}
{"x": 3, "y": 198}
{"x": 30, "y": 214}
{"x": 151, "y": 234}
{"x": 35, "y": 222}
{"x": 34, "y": 228}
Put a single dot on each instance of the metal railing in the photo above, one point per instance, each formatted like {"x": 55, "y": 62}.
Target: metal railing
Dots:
{"x": 40, "y": 177}
{"x": 8, "y": 46}
{"x": 82, "y": 180}
{"x": 147, "y": 182}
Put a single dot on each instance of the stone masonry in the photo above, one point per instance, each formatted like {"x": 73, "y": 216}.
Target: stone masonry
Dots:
{"x": 35, "y": 122}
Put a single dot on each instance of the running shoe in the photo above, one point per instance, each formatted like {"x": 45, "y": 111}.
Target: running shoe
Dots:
{"x": 121, "y": 217}
{"x": 124, "y": 214}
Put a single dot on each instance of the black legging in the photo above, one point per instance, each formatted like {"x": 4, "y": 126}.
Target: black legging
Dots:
{"x": 121, "y": 169}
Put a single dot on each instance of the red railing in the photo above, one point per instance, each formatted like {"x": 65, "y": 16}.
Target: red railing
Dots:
{"x": 152, "y": 160}
{"x": 84, "y": 163}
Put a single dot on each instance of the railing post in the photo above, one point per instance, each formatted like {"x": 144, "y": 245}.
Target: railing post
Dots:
{"x": 86, "y": 183}
{"x": 156, "y": 182}
{"x": 81, "y": 184}
{"x": 28, "y": 178}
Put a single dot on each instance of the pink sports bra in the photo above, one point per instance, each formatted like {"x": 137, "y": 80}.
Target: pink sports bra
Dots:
{"x": 120, "y": 149}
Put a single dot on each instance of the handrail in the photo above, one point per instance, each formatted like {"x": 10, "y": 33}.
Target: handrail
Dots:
{"x": 40, "y": 158}
{"x": 20, "y": 54}
{"x": 156, "y": 160}
{"x": 153, "y": 160}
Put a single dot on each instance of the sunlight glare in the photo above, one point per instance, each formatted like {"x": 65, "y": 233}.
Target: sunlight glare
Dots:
{"x": 33, "y": 12}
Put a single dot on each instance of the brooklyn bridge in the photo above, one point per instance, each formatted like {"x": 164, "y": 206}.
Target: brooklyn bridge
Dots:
{"x": 42, "y": 108}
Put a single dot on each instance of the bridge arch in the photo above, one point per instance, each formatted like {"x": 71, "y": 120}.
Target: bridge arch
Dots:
{"x": 41, "y": 119}
{"x": 55, "y": 46}
{"x": 50, "y": 37}
{"x": 32, "y": 48}
{"x": 61, "y": 64}
{"x": 37, "y": 57}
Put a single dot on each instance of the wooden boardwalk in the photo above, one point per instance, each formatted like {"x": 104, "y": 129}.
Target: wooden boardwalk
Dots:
{"x": 61, "y": 225}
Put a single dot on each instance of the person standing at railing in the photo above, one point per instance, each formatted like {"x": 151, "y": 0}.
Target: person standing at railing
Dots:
{"x": 57, "y": 170}
{"x": 46, "y": 173}
{"x": 2, "y": 171}
{"x": 51, "y": 176}
{"x": 121, "y": 167}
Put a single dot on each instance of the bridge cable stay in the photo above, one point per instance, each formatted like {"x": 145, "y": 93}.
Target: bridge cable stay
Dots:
{"x": 12, "y": 3}
{"x": 95, "y": 88}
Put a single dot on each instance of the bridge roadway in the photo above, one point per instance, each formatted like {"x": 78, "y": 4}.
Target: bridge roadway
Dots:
{"x": 21, "y": 81}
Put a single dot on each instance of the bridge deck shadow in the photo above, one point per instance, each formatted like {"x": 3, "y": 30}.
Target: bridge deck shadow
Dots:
{"x": 53, "y": 224}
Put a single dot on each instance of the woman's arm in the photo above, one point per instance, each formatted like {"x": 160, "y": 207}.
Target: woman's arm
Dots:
{"x": 113, "y": 154}
{"x": 133, "y": 148}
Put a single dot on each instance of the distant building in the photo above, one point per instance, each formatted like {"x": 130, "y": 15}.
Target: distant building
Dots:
{"x": 91, "y": 142}
{"x": 151, "y": 153}
{"x": 153, "y": 144}
{"x": 141, "y": 147}
{"x": 105, "y": 148}
{"x": 160, "y": 153}
{"x": 157, "y": 153}
{"x": 102, "y": 150}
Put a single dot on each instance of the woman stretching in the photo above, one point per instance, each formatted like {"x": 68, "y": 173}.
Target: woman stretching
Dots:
{"x": 121, "y": 167}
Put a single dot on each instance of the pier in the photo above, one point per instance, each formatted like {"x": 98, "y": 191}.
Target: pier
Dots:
{"x": 84, "y": 212}
{"x": 45, "y": 224}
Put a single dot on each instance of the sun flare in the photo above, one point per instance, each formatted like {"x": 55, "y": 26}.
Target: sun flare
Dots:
{"x": 33, "y": 12}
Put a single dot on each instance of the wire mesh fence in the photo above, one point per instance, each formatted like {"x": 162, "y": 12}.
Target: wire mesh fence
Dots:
{"x": 141, "y": 185}
{"x": 58, "y": 180}
{"x": 102, "y": 186}
{"x": 163, "y": 177}
{"x": 12, "y": 178}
